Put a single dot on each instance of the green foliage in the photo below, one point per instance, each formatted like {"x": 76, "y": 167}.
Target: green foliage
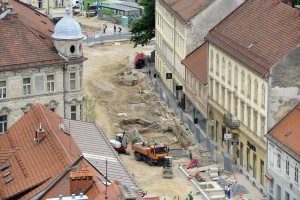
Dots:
{"x": 143, "y": 29}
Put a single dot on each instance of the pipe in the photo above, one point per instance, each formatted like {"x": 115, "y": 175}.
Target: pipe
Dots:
{"x": 195, "y": 184}
{"x": 3, "y": 15}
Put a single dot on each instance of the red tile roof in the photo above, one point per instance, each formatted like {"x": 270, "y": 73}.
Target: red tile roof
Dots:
{"x": 291, "y": 122}
{"x": 184, "y": 9}
{"x": 197, "y": 62}
{"x": 26, "y": 39}
{"x": 34, "y": 166}
{"x": 258, "y": 33}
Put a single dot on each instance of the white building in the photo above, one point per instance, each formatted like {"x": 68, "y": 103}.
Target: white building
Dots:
{"x": 284, "y": 158}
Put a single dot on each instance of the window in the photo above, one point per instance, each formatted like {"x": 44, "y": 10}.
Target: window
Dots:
{"x": 2, "y": 89}
{"x": 211, "y": 61}
{"x": 287, "y": 196}
{"x": 262, "y": 121}
{"x": 217, "y": 92}
{"x": 255, "y": 122}
{"x": 218, "y": 64}
{"x": 72, "y": 81}
{"x": 279, "y": 161}
{"x": 255, "y": 91}
{"x": 296, "y": 174}
{"x": 229, "y": 73}
{"x": 200, "y": 90}
{"x": 263, "y": 96}
{"x": 236, "y": 106}
{"x": 62, "y": 3}
{"x": 229, "y": 101}
{"x": 223, "y": 97}
{"x": 211, "y": 87}
{"x": 40, "y": 4}
{"x": 236, "y": 78}
{"x": 81, "y": 112}
{"x": 249, "y": 87}
{"x": 73, "y": 112}
{"x": 243, "y": 82}
{"x": 26, "y": 86}
{"x": 242, "y": 111}
{"x": 249, "y": 117}
{"x": 262, "y": 172}
{"x": 287, "y": 167}
{"x": 3, "y": 123}
{"x": 223, "y": 69}
{"x": 50, "y": 83}
{"x": 80, "y": 79}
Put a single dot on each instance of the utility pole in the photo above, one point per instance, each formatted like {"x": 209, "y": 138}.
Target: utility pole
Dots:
{"x": 106, "y": 197}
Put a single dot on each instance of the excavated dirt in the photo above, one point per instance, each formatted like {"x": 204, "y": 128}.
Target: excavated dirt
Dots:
{"x": 117, "y": 92}
{"x": 120, "y": 99}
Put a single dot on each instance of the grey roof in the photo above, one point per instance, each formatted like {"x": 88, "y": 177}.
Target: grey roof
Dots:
{"x": 120, "y": 7}
{"x": 96, "y": 148}
{"x": 67, "y": 28}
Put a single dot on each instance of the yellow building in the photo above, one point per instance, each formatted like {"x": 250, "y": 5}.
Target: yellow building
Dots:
{"x": 180, "y": 30}
{"x": 249, "y": 81}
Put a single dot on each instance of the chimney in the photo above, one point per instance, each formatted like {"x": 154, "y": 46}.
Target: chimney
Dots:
{"x": 127, "y": 193}
{"x": 297, "y": 11}
{"x": 80, "y": 180}
{"x": 39, "y": 134}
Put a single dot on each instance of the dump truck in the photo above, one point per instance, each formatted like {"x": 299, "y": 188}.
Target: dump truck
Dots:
{"x": 150, "y": 153}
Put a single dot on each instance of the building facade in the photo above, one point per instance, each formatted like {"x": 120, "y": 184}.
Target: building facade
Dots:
{"x": 196, "y": 83}
{"x": 248, "y": 91}
{"x": 284, "y": 158}
{"x": 38, "y": 72}
{"x": 179, "y": 31}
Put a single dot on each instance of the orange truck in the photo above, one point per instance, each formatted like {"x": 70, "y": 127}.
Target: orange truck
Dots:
{"x": 151, "y": 154}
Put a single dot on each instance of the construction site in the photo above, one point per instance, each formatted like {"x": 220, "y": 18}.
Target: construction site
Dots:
{"x": 120, "y": 98}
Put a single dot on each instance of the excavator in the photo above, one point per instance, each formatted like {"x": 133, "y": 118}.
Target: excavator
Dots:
{"x": 120, "y": 142}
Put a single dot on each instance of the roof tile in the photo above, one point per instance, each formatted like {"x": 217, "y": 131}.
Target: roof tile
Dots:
{"x": 197, "y": 62}
{"x": 258, "y": 33}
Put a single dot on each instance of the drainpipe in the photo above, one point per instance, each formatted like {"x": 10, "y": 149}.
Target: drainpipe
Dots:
{"x": 64, "y": 88}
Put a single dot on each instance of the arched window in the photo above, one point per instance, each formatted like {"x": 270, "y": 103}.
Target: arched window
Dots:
{"x": 249, "y": 87}
{"x": 243, "y": 82}
{"x": 218, "y": 65}
{"x": 236, "y": 72}
{"x": 255, "y": 91}
{"x": 211, "y": 61}
{"x": 263, "y": 96}
{"x": 223, "y": 68}
{"x": 229, "y": 73}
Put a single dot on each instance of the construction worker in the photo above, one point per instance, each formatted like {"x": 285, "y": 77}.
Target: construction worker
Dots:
{"x": 134, "y": 139}
{"x": 190, "y": 154}
{"x": 190, "y": 195}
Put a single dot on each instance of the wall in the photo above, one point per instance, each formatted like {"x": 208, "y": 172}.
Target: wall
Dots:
{"x": 284, "y": 84}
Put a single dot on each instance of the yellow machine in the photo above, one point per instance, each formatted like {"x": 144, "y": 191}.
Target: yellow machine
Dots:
{"x": 151, "y": 154}
{"x": 168, "y": 167}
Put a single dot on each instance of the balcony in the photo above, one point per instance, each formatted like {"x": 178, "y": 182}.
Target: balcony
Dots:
{"x": 231, "y": 123}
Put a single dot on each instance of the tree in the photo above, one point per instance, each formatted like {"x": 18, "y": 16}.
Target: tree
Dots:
{"x": 143, "y": 29}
